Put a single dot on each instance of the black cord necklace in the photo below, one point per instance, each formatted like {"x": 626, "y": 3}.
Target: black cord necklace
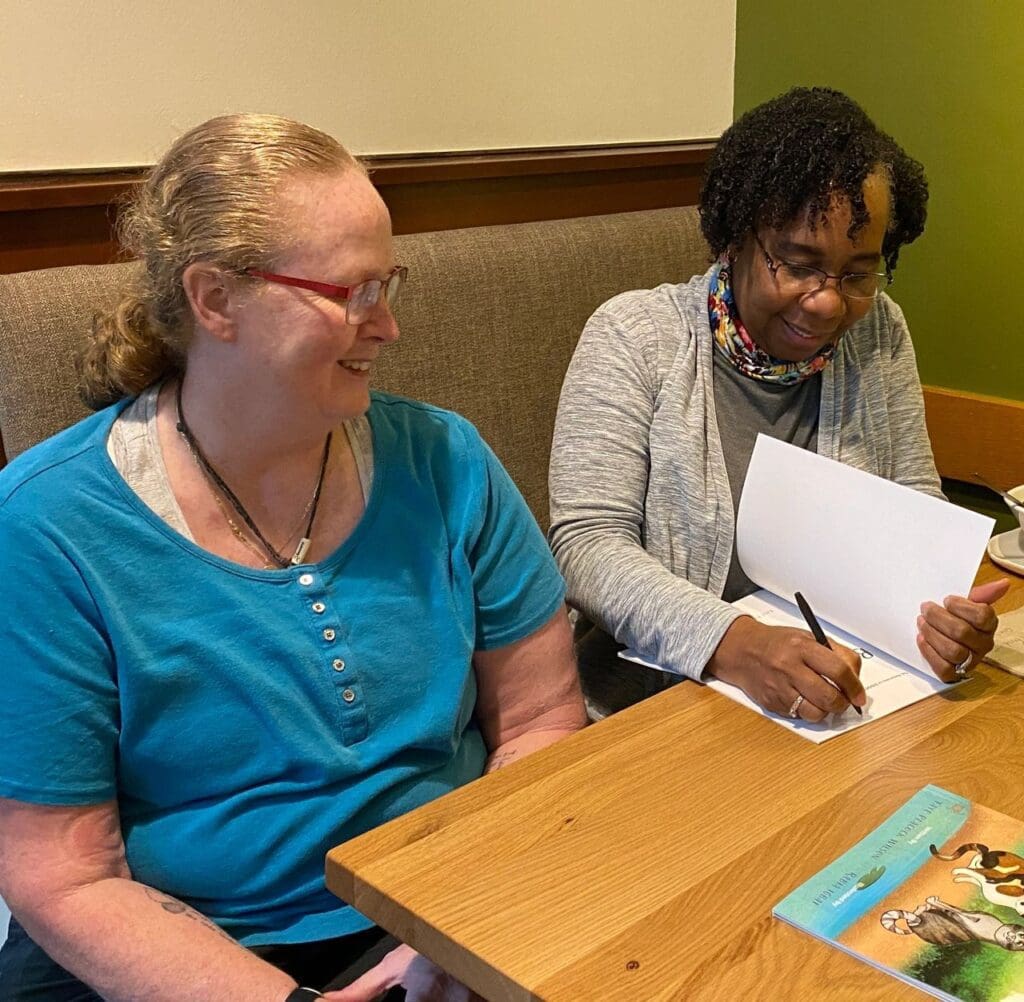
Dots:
{"x": 303, "y": 548}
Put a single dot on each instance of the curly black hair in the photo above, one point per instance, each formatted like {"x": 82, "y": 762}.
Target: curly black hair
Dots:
{"x": 797, "y": 152}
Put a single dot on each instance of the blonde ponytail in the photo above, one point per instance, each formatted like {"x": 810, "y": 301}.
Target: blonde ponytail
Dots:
{"x": 212, "y": 197}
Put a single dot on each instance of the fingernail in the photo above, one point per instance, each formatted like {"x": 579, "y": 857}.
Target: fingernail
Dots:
{"x": 920, "y": 621}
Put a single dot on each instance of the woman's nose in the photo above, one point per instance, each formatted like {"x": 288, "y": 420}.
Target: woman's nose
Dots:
{"x": 381, "y": 323}
{"x": 827, "y": 302}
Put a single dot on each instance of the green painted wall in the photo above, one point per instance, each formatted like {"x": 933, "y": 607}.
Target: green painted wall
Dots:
{"x": 946, "y": 78}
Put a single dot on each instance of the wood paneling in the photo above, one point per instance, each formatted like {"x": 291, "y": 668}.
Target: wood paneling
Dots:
{"x": 440, "y": 193}
{"x": 47, "y": 220}
{"x": 973, "y": 434}
{"x": 68, "y": 218}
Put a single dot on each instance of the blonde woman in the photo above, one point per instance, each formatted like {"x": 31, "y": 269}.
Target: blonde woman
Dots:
{"x": 252, "y": 609}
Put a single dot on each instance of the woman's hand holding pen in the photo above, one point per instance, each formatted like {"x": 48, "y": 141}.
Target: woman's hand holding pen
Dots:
{"x": 782, "y": 668}
{"x": 955, "y": 636}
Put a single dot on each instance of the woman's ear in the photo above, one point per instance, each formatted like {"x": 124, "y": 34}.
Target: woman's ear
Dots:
{"x": 211, "y": 296}
{"x": 733, "y": 251}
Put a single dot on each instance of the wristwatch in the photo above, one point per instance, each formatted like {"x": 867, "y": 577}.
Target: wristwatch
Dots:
{"x": 303, "y": 995}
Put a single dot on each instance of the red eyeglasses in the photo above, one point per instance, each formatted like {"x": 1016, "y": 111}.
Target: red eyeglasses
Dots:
{"x": 359, "y": 299}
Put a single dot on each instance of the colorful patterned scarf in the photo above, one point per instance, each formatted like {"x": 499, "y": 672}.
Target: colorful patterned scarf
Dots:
{"x": 736, "y": 345}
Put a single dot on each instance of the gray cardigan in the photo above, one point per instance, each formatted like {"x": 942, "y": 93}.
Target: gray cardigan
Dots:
{"x": 642, "y": 521}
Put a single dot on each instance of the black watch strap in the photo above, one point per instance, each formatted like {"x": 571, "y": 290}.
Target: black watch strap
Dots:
{"x": 303, "y": 995}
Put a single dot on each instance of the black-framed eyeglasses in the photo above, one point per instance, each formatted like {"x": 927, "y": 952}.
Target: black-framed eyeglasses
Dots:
{"x": 359, "y": 299}
{"x": 802, "y": 279}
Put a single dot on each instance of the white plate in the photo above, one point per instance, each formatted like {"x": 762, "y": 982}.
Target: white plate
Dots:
{"x": 1018, "y": 493}
{"x": 1007, "y": 550}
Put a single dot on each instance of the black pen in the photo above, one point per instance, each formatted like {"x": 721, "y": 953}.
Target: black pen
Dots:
{"x": 819, "y": 634}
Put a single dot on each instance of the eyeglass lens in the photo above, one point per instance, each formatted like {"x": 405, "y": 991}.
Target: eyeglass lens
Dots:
{"x": 804, "y": 280}
{"x": 366, "y": 296}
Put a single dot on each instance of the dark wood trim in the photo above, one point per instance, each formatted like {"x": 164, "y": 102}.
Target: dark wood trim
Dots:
{"x": 50, "y": 219}
{"x": 975, "y": 434}
{"x": 61, "y": 189}
{"x": 66, "y": 189}
{"x": 407, "y": 169}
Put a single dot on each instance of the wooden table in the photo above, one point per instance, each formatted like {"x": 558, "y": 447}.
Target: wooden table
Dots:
{"x": 640, "y": 859}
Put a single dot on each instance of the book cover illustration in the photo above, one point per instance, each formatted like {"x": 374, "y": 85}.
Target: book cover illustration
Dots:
{"x": 934, "y": 896}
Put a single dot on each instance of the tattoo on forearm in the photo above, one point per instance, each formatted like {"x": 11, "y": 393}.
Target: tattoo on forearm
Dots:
{"x": 502, "y": 758}
{"x": 175, "y": 907}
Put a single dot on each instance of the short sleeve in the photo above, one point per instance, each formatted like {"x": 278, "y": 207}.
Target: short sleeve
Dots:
{"x": 59, "y": 715}
{"x": 517, "y": 585}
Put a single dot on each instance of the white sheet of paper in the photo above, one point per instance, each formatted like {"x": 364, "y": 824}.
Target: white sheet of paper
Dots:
{"x": 890, "y": 685}
{"x": 863, "y": 551}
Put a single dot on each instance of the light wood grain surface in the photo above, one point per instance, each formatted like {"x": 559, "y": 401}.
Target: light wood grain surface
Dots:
{"x": 640, "y": 859}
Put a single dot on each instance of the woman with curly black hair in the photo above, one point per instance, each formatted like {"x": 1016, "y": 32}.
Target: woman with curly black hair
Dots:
{"x": 806, "y": 205}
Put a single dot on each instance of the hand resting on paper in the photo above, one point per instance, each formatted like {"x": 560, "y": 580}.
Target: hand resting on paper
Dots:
{"x": 774, "y": 665}
{"x": 959, "y": 628}
{"x": 403, "y": 966}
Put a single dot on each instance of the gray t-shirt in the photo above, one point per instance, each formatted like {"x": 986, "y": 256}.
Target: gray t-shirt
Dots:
{"x": 746, "y": 407}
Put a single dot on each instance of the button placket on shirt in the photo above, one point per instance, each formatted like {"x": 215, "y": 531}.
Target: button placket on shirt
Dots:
{"x": 336, "y": 657}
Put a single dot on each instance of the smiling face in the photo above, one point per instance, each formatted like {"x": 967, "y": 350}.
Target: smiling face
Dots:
{"x": 296, "y": 344}
{"x": 795, "y": 327}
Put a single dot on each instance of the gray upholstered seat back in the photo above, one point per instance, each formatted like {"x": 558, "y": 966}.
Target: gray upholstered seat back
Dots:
{"x": 489, "y": 321}
{"x": 45, "y": 317}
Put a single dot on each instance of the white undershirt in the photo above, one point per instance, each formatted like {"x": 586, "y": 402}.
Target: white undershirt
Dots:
{"x": 134, "y": 448}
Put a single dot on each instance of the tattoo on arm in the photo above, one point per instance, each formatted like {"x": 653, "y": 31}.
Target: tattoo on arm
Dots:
{"x": 175, "y": 907}
{"x": 502, "y": 758}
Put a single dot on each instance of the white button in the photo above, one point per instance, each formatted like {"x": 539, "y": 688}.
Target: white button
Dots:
{"x": 328, "y": 634}
{"x": 318, "y": 607}
{"x": 348, "y": 695}
{"x": 338, "y": 664}
{"x": 306, "y": 579}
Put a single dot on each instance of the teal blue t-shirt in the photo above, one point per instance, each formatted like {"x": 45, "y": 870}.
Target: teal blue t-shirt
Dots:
{"x": 246, "y": 721}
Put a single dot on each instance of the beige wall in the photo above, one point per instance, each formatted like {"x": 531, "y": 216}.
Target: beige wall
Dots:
{"x": 101, "y": 83}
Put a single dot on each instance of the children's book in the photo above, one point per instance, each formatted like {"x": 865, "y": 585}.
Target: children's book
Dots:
{"x": 866, "y": 553}
{"x": 933, "y": 896}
